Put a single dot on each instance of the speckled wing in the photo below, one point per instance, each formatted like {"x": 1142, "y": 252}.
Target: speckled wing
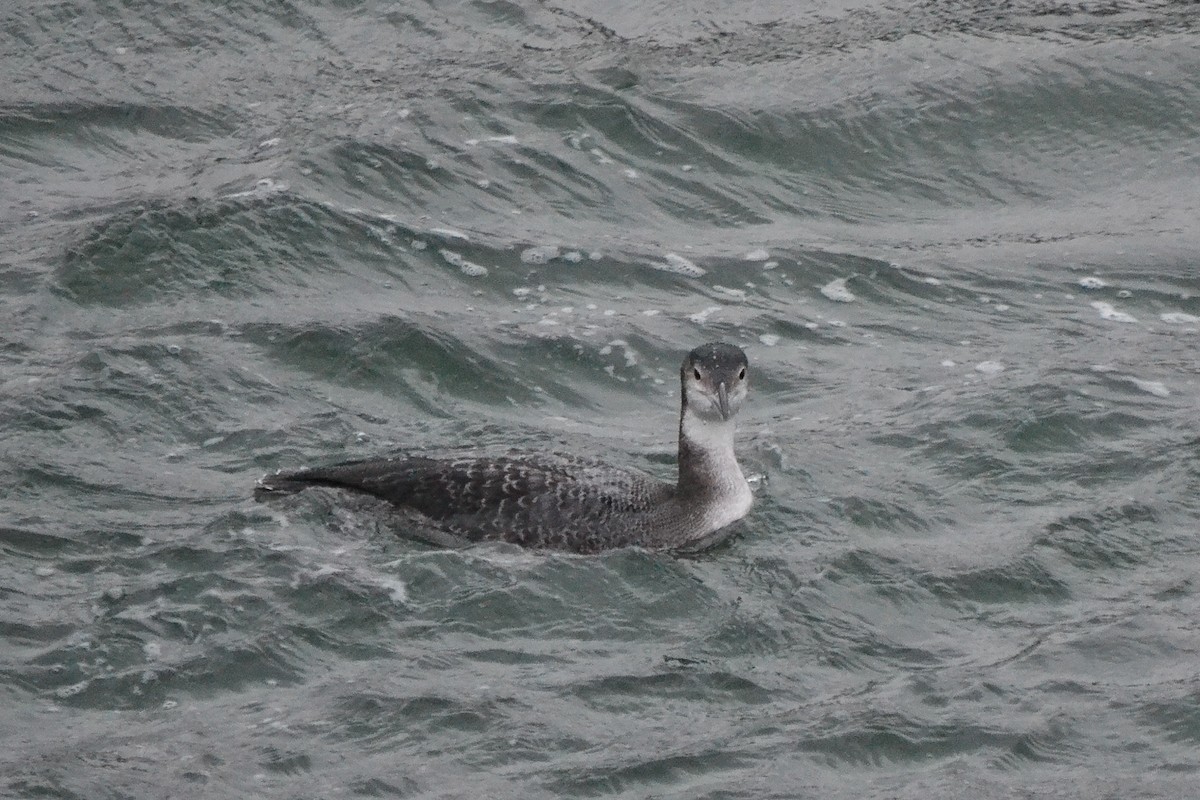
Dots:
{"x": 555, "y": 501}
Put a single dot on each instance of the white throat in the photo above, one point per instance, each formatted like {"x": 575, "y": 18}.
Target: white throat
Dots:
{"x": 728, "y": 496}
{"x": 714, "y": 438}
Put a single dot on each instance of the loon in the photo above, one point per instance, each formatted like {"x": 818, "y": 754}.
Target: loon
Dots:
{"x": 565, "y": 502}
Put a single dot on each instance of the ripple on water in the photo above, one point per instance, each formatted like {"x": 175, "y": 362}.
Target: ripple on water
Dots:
{"x": 1108, "y": 537}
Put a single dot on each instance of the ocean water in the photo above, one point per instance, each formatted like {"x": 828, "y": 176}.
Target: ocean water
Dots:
{"x": 958, "y": 240}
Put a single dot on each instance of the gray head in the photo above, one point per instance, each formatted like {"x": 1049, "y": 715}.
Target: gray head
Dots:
{"x": 715, "y": 379}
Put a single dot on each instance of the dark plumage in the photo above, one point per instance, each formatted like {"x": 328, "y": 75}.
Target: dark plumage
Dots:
{"x": 565, "y": 502}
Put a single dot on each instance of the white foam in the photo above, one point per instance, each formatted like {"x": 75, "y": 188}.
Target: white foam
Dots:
{"x": 449, "y": 233}
{"x": 1178, "y": 318}
{"x": 836, "y": 290}
{"x": 701, "y": 317}
{"x": 679, "y": 265}
{"x": 572, "y": 256}
{"x": 757, "y": 255}
{"x": 1092, "y": 282}
{"x": 540, "y": 254}
{"x": 468, "y": 268}
{"x": 1156, "y": 388}
{"x": 989, "y": 367}
{"x": 736, "y": 294}
{"x": 1108, "y": 312}
{"x": 769, "y": 339}
{"x": 395, "y": 587}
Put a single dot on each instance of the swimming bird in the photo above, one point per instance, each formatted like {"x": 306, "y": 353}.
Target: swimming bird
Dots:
{"x": 566, "y": 502}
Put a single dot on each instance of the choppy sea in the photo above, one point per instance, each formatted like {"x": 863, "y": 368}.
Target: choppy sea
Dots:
{"x": 957, "y": 238}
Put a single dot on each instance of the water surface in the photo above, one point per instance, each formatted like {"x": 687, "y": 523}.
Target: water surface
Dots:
{"x": 957, "y": 240}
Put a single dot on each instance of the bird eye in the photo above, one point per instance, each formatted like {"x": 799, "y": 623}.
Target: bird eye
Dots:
{"x": 742, "y": 374}
{"x": 696, "y": 372}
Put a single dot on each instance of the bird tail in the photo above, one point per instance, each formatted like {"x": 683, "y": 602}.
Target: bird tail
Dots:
{"x": 281, "y": 483}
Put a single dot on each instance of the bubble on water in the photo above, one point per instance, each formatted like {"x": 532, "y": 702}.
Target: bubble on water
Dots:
{"x": 933, "y": 281}
{"x": 539, "y": 254}
{"x": 759, "y": 254}
{"x": 770, "y": 264}
{"x": 468, "y": 268}
{"x": 989, "y": 367}
{"x": 679, "y": 265}
{"x": 572, "y": 256}
{"x": 417, "y": 244}
{"x": 631, "y": 356}
{"x": 1092, "y": 282}
{"x": 1112, "y": 314}
{"x": 72, "y": 690}
{"x": 836, "y": 290}
{"x": 948, "y": 363}
{"x": 735, "y": 294}
{"x": 769, "y": 339}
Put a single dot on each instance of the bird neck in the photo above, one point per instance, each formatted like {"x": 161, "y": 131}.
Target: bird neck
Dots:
{"x": 707, "y": 463}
